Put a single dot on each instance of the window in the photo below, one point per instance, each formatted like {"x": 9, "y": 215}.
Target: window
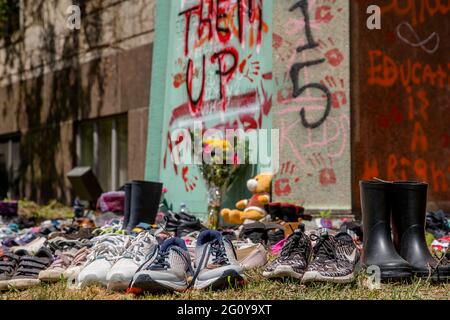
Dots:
{"x": 9, "y": 166}
{"x": 9, "y": 17}
{"x": 102, "y": 145}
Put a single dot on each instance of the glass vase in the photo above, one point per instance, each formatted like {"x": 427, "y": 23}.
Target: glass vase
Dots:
{"x": 214, "y": 204}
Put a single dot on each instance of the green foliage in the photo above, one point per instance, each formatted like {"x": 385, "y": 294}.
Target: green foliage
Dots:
{"x": 429, "y": 238}
{"x": 3, "y": 11}
{"x": 9, "y": 17}
{"x": 53, "y": 210}
{"x": 325, "y": 214}
{"x": 257, "y": 288}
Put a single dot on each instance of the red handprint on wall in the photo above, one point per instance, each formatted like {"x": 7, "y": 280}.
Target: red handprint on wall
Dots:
{"x": 327, "y": 175}
{"x": 283, "y": 180}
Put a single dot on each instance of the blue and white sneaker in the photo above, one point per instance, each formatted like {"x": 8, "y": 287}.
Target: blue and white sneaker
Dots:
{"x": 216, "y": 262}
{"x": 168, "y": 270}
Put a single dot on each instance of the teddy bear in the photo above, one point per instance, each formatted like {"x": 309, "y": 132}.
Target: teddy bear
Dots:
{"x": 253, "y": 208}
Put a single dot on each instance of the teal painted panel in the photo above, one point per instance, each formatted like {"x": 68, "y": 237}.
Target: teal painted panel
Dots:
{"x": 156, "y": 112}
{"x": 217, "y": 62}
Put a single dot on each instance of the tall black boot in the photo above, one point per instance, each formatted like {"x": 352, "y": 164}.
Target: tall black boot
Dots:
{"x": 145, "y": 199}
{"x": 379, "y": 249}
{"x": 126, "y": 214}
{"x": 409, "y": 204}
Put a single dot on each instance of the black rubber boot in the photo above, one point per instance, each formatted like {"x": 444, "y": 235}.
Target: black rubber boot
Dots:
{"x": 145, "y": 199}
{"x": 409, "y": 202}
{"x": 379, "y": 249}
{"x": 126, "y": 213}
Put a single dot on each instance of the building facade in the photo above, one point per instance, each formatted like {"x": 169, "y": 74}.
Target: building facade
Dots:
{"x": 73, "y": 97}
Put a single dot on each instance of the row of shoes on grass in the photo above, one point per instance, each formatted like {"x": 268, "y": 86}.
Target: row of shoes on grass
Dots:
{"x": 147, "y": 263}
{"x": 140, "y": 263}
{"x": 21, "y": 269}
{"x": 113, "y": 259}
{"x": 54, "y": 250}
{"x": 15, "y": 234}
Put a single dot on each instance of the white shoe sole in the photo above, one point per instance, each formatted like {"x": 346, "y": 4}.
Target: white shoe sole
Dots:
{"x": 23, "y": 283}
{"x": 4, "y": 285}
{"x": 229, "y": 278}
{"x": 118, "y": 285}
{"x": 51, "y": 276}
{"x": 145, "y": 283}
{"x": 92, "y": 280}
{"x": 311, "y": 276}
{"x": 282, "y": 272}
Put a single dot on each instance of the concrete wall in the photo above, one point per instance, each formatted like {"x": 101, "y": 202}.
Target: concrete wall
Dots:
{"x": 401, "y": 93}
{"x": 311, "y": 62}
{"x": 51, "y": 77}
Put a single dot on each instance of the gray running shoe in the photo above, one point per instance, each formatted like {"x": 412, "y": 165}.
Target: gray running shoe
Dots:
{"x": 168, "y": 269}
{"x": 216, "y": 262}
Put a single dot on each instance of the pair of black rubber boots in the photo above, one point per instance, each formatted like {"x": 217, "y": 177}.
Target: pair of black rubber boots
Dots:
{"x": 403, "y": 205}
{"x": 142, "y": 200}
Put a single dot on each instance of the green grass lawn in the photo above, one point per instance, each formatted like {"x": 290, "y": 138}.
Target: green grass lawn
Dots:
{"x": 256, "y": 288}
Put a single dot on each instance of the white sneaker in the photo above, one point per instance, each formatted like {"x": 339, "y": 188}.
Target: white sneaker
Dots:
{"x": 216, "y": 262}
{"x": 122, "y": 272}
{"x": 252, "y": 257}
{"x": 106, "y": 251}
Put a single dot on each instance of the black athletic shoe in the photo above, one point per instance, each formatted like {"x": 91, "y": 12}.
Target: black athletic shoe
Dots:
{"x": 293, "y": 259}
{"x": 334, "y": 260}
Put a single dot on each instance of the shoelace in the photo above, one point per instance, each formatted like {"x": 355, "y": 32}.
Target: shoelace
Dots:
{"x": 219, "y": 253}
{"x": 325, "y": 247}
{"x": 110, "y": 247}
{"x": 138, "y": 249}
{"x": 293, "y": 246}
{"x": 161, "y": 261}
